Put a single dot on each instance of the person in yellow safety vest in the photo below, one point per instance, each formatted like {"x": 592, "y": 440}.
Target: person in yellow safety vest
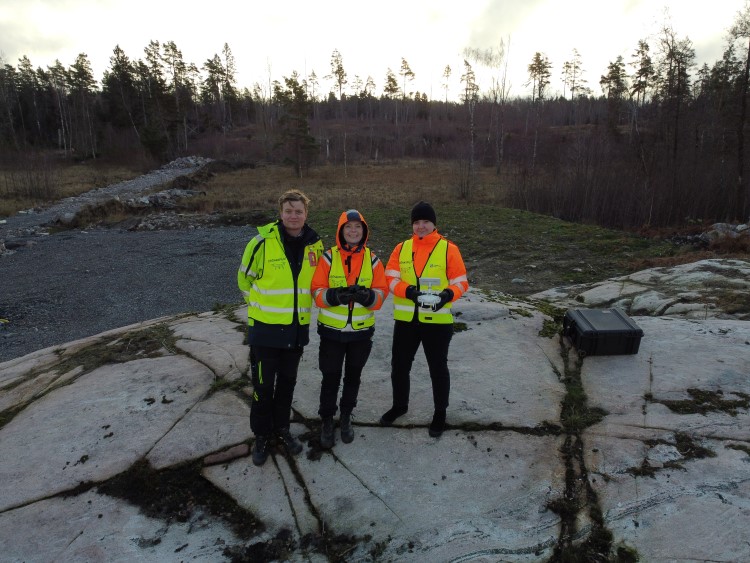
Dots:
{"x": 426, "y": 274}
{"x": 349, "y": 285}
{"x": 274, "y": 278}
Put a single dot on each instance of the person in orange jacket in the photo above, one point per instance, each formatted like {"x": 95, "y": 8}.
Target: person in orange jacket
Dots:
{"x": 348, "y": 285}
{"x": 426, "y": 274}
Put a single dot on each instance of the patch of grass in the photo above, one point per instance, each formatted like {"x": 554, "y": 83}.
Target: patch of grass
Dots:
{"x": 685, "y": 445}
{"x": 645, "y": 470}
{"x": 576, "y": 415}
{"x": 460, "y": 327}
{"x": 228, "y": 310}
{"x": 733, "y": 302}
{"x": 9, "y": 414}
{"x": 703, "y": 401}
{"x": 550, "y": 328}
{"x": 522, "y": 312}
{"x": 689, "y": 449}
{"x": 221, "y": 384}
{"x": 145, "y": 343}
{"x": 177, "y": 495}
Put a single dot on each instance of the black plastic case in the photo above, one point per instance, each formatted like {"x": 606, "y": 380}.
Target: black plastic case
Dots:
{"x": 602, "y": 332}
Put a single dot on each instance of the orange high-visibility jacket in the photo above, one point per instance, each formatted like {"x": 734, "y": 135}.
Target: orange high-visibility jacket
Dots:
{"x": 351, "y": 259}
{"x": 422, "y": 247}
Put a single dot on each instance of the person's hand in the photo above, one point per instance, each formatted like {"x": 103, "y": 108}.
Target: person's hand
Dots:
{"x": 338, "y": 295}
{"x": 446, "y": 296}
{"x": 413, "y": 293}
{"x": 363, "y": 295}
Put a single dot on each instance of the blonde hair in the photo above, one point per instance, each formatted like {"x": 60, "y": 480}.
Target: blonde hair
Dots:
{"x": 293, "y": 195}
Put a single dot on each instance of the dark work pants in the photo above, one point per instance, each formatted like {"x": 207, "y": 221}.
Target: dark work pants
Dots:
{"x": 334, "y": 355}
{"x": 435, "y": 339}
{"x": 274, "y": 375}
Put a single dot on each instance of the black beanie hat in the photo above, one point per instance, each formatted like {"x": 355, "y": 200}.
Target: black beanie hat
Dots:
{"x": 423, "y": 210}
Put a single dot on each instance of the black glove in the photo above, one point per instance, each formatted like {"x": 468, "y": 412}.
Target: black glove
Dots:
{"x": 445, "y": 297}
{"x": 413, "y": 293}
{"x": 338, "y": 295}
{"x": 364, "y": 296}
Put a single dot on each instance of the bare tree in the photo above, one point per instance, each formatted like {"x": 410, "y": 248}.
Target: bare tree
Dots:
{"x": 496, "y": 60}
{"x": 741, "y": 30}
{"x": 470, "y": 98}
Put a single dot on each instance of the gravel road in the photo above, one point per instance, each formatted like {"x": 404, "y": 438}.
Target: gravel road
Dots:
{"x": 74, "y": 284}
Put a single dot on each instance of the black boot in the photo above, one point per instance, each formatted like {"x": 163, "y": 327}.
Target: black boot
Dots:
{"x": 392, "y": 414}
{"x": 438, "y": 423}
{"x": 260, "y": 450}
{"x": 291, "y": 443}
{"x": 347, "y": 432}
{"x": 327, "y": 438}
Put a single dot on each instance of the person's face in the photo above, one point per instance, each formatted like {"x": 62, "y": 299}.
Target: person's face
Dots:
{"x": 353, "y": 232}
{"x": 293, "y": 216}
{"x": 422, "y": 227}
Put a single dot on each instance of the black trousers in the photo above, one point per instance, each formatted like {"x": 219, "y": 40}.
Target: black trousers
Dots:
{"x": 435, "y": 339}
{"x": 274, "y": 376}
{"x": 334, "y": 355}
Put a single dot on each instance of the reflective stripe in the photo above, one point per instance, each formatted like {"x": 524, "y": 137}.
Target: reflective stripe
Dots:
{"x": 272, "y": 291}
{"x": 458, "y": 280}
{"x": 267, "y": 309}
{"x": 345, "y": 318}
{"x": 393, "y": 284}
{"x": 249, "y": 274}
{"x": 393, "y": 273}
{"x": 245, "y": 293}
{"x": 318, "y": 291}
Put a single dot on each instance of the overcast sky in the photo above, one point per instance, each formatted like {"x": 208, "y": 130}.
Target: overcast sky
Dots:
{"x": 289, "y": 35}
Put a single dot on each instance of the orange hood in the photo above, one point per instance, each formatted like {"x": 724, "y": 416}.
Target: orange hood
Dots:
{"x": 346, "y": 216}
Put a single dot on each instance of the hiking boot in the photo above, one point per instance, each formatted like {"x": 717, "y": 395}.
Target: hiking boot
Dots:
{"x": 392, "y": 414}
{"x": 437, "y": 426}
{"x": 291, "y": 443}
{"x": 347, "y": 433}
{"x": 260, "y": 450}
{"x": 327, "y": 438}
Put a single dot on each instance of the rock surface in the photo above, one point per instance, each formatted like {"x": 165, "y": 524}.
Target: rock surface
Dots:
{"x": 700, "y": 290}
{"x": 657, "y": 454}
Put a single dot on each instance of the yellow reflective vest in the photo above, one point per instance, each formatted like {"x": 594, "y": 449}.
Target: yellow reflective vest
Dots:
{"x": 267, "y": 283}
{"x": 338, "y": 316}
{"x": 436, "y": 267}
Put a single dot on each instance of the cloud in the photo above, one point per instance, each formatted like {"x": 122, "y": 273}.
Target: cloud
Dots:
{"x": 498, "y": 21}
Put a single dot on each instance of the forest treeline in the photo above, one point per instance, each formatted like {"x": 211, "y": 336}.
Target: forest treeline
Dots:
{"x": 654, "y": 141}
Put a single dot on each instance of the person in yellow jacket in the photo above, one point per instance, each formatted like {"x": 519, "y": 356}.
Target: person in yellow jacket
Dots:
{"x": 349, "y": 285}
{"x": 426, "y": 274}
{"x": 274, "y": 278}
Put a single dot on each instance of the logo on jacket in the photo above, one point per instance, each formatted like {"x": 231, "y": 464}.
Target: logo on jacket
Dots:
{"x": 312, "y": 258}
